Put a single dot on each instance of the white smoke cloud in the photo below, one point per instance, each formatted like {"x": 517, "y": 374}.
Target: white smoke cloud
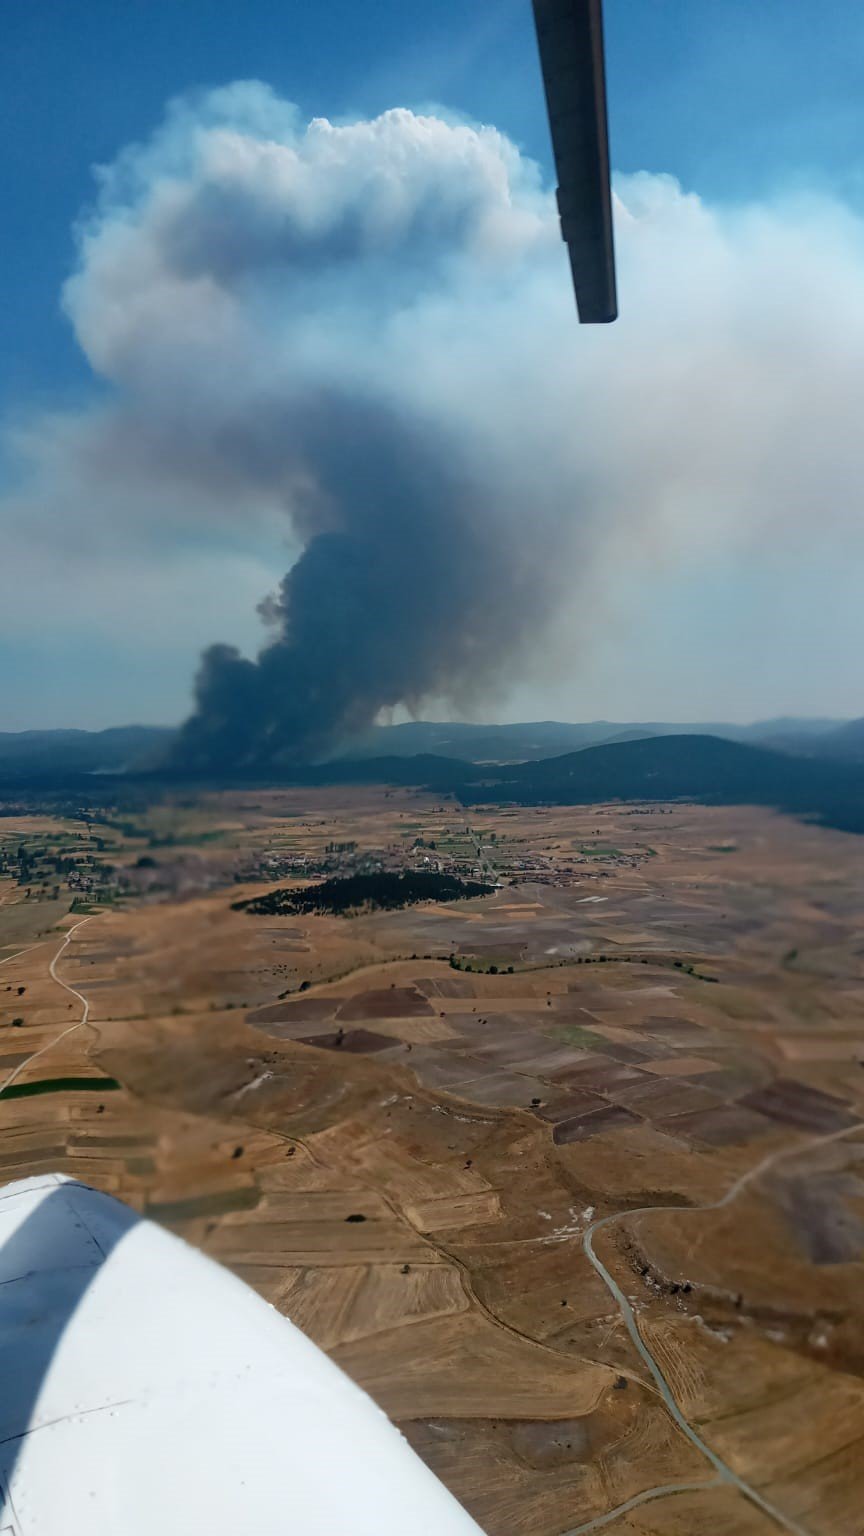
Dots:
{"x": 242, "y": 262}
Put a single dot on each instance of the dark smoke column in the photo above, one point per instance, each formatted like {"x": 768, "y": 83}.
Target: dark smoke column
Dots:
{"x": 411, "y": 584}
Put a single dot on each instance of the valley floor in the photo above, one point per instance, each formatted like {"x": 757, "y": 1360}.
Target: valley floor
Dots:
{"x": 570, "y": 1177}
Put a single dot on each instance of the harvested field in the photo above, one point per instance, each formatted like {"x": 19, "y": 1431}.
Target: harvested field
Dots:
{"x": 395, "y": 1003}
{"x": 800, "y": 1105}
{"x": 725, "y": 1125}
{"x": 597, "y": 1122}
{"x": 404, "y": 1154}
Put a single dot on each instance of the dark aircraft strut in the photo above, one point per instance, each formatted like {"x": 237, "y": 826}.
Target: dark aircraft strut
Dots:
{"x": 570, "y": 38}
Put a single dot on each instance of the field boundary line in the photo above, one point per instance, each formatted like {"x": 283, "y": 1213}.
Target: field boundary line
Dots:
{"x": 664, "y": 1491}
{"x": 724, "y": 1471}
{"x": 70, "y": 1028}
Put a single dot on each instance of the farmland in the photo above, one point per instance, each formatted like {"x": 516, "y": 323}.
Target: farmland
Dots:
{"x": 409, "y": 1129}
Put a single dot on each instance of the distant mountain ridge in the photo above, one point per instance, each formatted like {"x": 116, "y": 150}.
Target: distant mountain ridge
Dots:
{"x": 136, "y": 748}
{"x": 844, "y": 743}
{"x": 549, "y": 738}
{"x": 119, "y": 749}
{"x": 704, "y": 768}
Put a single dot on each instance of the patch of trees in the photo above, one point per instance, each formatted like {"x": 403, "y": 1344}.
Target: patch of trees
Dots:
{"x": 356, "y": 893}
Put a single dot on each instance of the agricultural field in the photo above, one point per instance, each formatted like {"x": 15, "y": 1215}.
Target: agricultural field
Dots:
{"x": 569, "y": 1176}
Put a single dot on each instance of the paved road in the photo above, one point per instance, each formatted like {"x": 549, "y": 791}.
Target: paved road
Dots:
{"x": 663, "y": 1492}
{"x": 724, "y": 1472}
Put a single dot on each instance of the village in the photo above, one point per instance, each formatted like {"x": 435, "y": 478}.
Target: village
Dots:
{"x": 100, "y": 859}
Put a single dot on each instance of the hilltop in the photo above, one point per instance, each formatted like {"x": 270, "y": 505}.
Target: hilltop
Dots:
{"x": 705, "y": 768}
{"x": 135, "y": 748}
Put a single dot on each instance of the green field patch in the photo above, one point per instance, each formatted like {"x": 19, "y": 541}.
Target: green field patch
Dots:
{"x": 486, "y": 965}
{"x": 183, "y": 839}
{"x": 579, "y": 1034}
{"x": 59, "y": 1085}
{"x": 219, "y": 1203}
{"x": 738, "y": 1005}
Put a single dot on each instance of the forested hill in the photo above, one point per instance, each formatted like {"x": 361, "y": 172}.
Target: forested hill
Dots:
{"x": 700, "y": 768}
{"x": 120, "y": 749}
{"x": 704, "y": 768}
{"x": 133, "y": 748}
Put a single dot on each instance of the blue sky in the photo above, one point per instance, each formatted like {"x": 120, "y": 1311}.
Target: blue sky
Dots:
{"x": 735, "y": 98}
{"x": 741, "y": 100}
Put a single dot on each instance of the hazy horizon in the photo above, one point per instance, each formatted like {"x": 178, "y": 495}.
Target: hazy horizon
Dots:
{"x": 476, "y": 722}
{"x": 214, "y": 282}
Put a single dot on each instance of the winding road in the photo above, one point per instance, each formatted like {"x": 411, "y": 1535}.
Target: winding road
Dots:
{"x": 661, "y": 1492}
{"x": 724, "y": 1473}
{"x": 70, "y": 1028}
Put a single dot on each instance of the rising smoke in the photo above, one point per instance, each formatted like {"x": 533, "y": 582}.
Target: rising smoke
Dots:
{"x": 400, "y": 592}
{"x": 412, "y": 578}
{"x": 351, "y": 351}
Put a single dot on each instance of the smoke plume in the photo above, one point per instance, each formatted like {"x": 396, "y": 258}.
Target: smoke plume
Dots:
{"x": 400, "y": 592}
{"x": 352, "y": 349}
{"x": 412, "y": 579}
